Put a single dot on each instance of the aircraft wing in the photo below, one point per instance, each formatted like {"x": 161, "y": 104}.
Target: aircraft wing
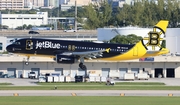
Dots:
{"x": 88, "y": 54}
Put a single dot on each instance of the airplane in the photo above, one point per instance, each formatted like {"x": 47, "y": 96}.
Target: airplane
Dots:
{"x": 69, "y": 52}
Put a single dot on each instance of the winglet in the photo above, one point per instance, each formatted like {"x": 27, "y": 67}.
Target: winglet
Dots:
{"x": 107, "y": 50}
{"x": 162, "y": 25}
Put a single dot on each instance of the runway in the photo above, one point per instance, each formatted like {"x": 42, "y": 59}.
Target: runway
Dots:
{"x": 89, "y": 93}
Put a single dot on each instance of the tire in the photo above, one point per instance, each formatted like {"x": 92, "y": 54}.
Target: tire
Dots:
{"x": 80, "y": 65}
{"x": 83, "y": 67}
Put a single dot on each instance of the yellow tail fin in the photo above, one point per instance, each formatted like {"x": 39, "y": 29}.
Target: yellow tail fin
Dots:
{"x": 154, "y": 39}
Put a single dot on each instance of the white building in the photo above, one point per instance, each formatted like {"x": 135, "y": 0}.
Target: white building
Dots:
{"x": 173, "y": 40}
{"x": 15, "y": 20}
{"x": 3, "y": 44}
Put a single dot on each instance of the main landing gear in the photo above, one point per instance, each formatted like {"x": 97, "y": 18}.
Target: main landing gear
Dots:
{"x": 83, "y": 67}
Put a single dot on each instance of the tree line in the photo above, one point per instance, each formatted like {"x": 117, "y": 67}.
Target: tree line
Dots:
{"x": 143, "y": 13}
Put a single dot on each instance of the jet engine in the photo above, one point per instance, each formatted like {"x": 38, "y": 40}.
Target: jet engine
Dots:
{"x": 65, "y": 59}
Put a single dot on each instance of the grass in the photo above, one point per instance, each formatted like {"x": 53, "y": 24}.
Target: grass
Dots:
{"x": 93, "y": 83}
{"x": 90, "y": 87}
{"x": 88, "y": 100}
{"x": 5, "y": 84}
{"x": 94, "y": 86}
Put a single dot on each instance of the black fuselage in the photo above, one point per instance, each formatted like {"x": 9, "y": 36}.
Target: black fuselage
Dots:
{"x": 51, "y": 47}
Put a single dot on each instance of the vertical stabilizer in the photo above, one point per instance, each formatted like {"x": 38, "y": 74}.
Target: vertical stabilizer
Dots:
{"x": 154, "y": 39}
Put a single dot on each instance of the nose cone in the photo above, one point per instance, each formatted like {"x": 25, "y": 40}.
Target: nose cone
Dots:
{"x": 9, "y": 48}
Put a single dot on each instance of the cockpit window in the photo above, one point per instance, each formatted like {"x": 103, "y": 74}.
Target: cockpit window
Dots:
{"x": 17, "y": 43}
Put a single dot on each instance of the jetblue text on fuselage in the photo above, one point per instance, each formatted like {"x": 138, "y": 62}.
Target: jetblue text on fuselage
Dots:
{"x": 47, "y": 44}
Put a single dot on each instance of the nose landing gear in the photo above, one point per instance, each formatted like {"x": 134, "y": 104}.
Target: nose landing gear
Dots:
{"x": 26, "y": 62}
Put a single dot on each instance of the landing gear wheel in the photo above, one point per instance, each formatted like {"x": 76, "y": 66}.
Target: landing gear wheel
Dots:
{"x": 26, "y": 63}
{"x": 83, "y": 67}
{"x": 80, "y": 64}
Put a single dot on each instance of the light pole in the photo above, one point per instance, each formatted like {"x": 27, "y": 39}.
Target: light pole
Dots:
{"x": 75, "y": 18}
{"x": 12, "y": 27}
{"x": 23, "y": 62}
{"x": 22, "y": 21}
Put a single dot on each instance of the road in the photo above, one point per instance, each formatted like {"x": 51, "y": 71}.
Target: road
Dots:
{"x": 19, "y": 33}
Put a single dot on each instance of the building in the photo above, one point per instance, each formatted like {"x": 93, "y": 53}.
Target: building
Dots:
{"x": 26, "y": 3}
{"x": 67, "y": 4}
{"x": 72, "y": 2}
{"x": 173, "y": 40}
{"x": 65, "y": 7}
{"x": 65, "y": 21}
{"x": 54, "y": 3}
{"x": 129, "y": 2}
{"x": 34, "y": 3}
{"x": 116, "y": 4}
{"x": 120, "y": 3}
{"x": 3, "y": 44}
{"x": 15, "y": 20}
{"x": 79, "y": 2}
{"x": 161, "y": 66}
{"x": 46, "y": 3}
{"x": 12, "y": 4}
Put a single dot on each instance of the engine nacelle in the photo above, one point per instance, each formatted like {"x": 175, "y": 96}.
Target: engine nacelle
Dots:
{"x": 65, "y": 59}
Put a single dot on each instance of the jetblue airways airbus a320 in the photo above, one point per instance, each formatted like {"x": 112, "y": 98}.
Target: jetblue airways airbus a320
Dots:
{"x": 68, "y": 52}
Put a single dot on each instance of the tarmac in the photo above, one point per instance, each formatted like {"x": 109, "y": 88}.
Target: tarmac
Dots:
{"x": 19, "y": 82}
{"x": 32, "y": 82}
